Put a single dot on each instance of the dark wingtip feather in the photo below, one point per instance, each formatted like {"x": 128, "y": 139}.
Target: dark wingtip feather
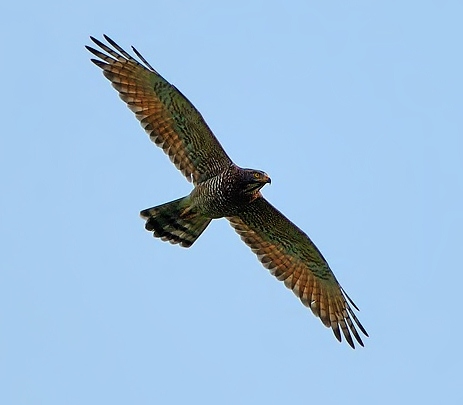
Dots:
{"x": 337, "y": 333}
{"x": 349, "y": 299}
{"x": 348, "y": 338}
{"x": 362, "y": 329}
{"x": 97, "y": 42}
{"x": 120, "y": 49}
{"x": 114, "y": 52}
{"x": 99, "y": 63}
{"x": 353, "y": 315}
{"x": 94, "y": 51}
{"x": 143, "y": 59}
{"x": 113, "y": 43}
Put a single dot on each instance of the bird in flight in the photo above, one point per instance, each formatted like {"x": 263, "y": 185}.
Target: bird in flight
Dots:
{"x": 222, "y": 189}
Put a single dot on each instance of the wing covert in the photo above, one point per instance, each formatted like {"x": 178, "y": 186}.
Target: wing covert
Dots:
{"x": 169, "y": 118}
{"x": 289, "y": 254}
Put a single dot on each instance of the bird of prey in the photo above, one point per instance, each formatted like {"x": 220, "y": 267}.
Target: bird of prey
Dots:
{"x": 222, "y": 189}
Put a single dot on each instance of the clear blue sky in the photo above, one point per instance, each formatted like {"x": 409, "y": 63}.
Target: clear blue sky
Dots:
{"x": 354, "y": 110}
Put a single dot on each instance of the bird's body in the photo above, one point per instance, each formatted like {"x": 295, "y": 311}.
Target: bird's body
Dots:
{"x": 226, "y": 194}
{"x": 222, "y": 189}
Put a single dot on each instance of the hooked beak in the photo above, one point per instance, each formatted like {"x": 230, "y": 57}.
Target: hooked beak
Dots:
{"x": 257, "y": 183}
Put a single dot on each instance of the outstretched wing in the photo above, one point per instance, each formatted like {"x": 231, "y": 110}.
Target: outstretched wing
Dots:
{"x": 171, "y": 121}
{"x": 292, "y": 257}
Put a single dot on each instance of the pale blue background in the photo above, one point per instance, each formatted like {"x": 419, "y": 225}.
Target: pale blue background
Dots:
{"x": 353, "y": 108}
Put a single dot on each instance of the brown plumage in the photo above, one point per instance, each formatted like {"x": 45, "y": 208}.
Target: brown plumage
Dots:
{"x": 222, "y": 189}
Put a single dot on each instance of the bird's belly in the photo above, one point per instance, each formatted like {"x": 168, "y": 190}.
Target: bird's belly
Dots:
{"x": 218, "y": 197}
{"x": 216, "y": 203}
{"x": 218, "y": 207}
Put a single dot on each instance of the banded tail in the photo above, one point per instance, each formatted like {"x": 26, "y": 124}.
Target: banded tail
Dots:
{"x": 175, "y": 222}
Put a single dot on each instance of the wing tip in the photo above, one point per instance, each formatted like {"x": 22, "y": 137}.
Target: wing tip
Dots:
{"x": 99, "y": 63}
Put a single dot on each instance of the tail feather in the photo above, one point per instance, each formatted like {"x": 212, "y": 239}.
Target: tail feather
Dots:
{"x": 175, "y": 222}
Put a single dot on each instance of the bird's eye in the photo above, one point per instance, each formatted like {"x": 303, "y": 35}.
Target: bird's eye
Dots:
{"x": 256, "y": 175}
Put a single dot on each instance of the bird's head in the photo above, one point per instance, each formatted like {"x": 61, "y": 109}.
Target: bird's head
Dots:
{"x": 254, "y": 180}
